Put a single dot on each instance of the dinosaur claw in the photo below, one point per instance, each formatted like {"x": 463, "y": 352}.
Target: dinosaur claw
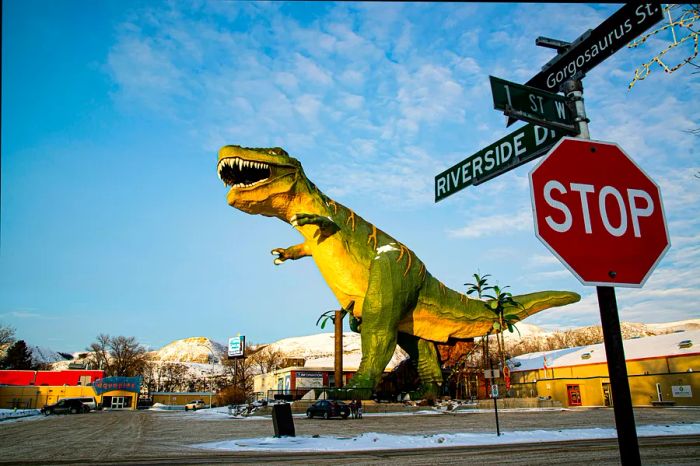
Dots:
{"x": 278, "y": 261}
{"x": 293, "y": 221}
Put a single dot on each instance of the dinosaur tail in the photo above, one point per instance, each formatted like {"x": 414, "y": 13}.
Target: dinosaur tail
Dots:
{"x": 442, "y": 313}
{"x": 531, "y": 303}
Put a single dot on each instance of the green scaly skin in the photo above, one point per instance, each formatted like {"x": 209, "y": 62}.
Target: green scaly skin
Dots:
{"x": 391, "y": 297}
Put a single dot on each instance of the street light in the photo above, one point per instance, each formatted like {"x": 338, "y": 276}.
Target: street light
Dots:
{"x": 211, "y": 373}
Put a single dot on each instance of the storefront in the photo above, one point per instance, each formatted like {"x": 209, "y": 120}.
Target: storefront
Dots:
{"x": 662, "y": 371}
{"x": 118, "y": 392}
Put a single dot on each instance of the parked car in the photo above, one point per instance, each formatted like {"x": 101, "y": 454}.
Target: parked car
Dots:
{"x": 65, "y": 406}
{"x": 88, "y": 401}
{"x": 144, "y": 403}
{"x": 328, "y": 409}
{"x": 195, "y": 405}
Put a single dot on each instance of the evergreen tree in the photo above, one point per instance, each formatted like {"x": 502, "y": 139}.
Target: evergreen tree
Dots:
{"x": 18, "y": 357}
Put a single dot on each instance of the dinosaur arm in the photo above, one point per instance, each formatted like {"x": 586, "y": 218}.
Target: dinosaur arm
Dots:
{"x": 326, "y": 226}
{"x": 291, "y": 253}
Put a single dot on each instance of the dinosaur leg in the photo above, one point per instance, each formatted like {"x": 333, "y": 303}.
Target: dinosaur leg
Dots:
{"x": 326, "y": 226}
{"x": 425, "y": 358}
{"x": 389, "y": 295}
{"x": 293, "y": 252}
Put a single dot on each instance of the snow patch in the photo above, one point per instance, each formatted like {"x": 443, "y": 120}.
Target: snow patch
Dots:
{"x": 381, "y": 441}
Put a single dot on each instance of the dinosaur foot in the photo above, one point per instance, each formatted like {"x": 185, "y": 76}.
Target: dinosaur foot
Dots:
{"x": 281, "y": 254}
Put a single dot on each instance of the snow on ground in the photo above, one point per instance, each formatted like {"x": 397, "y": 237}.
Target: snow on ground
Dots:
{"x": 379, "y": 441}
{"x": 11, "y": 414}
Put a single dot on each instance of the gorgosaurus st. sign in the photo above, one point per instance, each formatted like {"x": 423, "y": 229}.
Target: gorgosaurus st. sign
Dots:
{"x": 391, "y": 297}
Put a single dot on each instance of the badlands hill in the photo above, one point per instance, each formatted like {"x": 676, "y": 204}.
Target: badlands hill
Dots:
{"x": 319, "y": 349}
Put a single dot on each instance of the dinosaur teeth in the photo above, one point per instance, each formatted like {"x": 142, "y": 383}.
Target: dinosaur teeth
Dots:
{"x": 240, "y": 173}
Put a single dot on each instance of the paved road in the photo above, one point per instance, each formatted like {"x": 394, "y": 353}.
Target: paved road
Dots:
{"x": 148, "y": 437}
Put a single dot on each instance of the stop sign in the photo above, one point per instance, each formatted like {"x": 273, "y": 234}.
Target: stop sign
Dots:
{"x": 598, "y": 212}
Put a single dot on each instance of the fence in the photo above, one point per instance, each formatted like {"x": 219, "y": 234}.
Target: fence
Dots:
{"x": 321, "y": 393}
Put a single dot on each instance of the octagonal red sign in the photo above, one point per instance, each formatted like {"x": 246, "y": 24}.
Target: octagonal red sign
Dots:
{"x": 598, "y": 212}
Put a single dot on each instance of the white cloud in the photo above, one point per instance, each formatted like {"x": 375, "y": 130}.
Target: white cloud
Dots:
{"x": 22, "y": 315}
{"x": 494, "y": 225}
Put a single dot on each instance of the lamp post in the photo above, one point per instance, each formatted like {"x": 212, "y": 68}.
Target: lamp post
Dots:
{"x": 211, "y": 371}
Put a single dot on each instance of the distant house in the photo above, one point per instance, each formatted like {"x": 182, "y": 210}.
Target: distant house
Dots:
{"x": 662, "y": 370}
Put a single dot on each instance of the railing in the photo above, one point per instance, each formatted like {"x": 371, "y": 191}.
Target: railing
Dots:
{"x": 329, "y": 393}
{"x": 344, "y": 393}
{"x": 287, "y": 395}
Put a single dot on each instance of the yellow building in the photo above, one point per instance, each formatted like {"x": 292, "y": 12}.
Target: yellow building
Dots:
{"x": 109, "y": 393}
{"x": 180, "y": 399}
{"x": 662, "y": 371}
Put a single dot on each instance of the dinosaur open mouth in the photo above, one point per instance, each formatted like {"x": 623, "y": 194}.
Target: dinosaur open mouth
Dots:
{"x": 240, "y": 173}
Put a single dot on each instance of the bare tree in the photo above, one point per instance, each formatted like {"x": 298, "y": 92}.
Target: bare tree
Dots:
{"x": 266, "y": 359}
{"x": 117, "y": 356}
{"x": 682, "y": 24}
{"x": 7, "y": 336}
{"x": 165, "y": 376}
{"x": 238, "y": 375}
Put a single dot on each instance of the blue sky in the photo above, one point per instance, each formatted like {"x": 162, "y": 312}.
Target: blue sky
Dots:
{"x": 113, "y": 218}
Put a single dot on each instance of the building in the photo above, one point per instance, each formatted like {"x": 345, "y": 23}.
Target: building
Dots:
{"x": 662, "y": 370}
{"x": 35, "y": 389}
{"x": 295, "y": 382}
{"x": 180, "y": 399}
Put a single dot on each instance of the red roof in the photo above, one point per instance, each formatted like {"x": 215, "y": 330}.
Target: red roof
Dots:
{"x": 67, "y": 377}
{"x": 17, "y": 377}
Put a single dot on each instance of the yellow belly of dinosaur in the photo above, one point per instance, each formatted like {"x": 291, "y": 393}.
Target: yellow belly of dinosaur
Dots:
{"x": 347, "y": 279}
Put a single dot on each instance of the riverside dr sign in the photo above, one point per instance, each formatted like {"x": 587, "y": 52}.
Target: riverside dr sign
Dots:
{"x": 610, "y": 36}
{"x": 517, "y": 148}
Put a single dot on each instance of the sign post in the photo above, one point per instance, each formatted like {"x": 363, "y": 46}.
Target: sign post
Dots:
{"x": 494, "y": 394}
{"x": 621, "y": 211}
{"x": 622, "y": 237}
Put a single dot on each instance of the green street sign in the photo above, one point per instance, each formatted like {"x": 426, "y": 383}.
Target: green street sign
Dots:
{"x": 532, "y": 105}
{"x": 519, "y": 147}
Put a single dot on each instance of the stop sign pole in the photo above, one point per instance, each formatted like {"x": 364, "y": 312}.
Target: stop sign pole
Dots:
{"x": 610, "y": 321}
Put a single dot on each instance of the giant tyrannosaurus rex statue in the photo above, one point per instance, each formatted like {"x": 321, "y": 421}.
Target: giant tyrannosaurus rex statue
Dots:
{"x": 391, "y": 297}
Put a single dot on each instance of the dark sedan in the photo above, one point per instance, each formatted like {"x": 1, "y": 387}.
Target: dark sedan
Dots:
{"x": 328, "y": 409}
{"x": 66, "y": 406}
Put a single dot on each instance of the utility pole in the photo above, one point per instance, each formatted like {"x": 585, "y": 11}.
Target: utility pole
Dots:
{"x": 338, "y": 321}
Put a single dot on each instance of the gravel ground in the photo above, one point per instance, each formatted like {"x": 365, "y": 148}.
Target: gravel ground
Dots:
{"x": 119, "y": 435}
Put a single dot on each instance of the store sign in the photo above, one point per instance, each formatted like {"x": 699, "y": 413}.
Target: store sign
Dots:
{"x": 108, "y": 384}
{"x": 236, "y": 346}
{"x": 309, "y": 375}
{"x": 681, "y": 391}
{"x": 309, "y": 379}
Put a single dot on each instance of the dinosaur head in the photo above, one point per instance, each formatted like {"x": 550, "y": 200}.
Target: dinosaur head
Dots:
{"x": 261, "y": 180}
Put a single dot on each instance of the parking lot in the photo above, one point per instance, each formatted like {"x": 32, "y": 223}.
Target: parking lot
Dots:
{"x": 143, "y": 436}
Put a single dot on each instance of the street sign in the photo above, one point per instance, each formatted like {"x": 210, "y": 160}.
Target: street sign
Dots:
{"x": 599, "y": 213}
{"x": 515, "y": 149}
{"x": 494, "y": 391}
{"x": 610, "y": 36}
{"x": 532, "y": 105}
{"x": 491, "y": 373}
{"x": 594, "y": 46}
